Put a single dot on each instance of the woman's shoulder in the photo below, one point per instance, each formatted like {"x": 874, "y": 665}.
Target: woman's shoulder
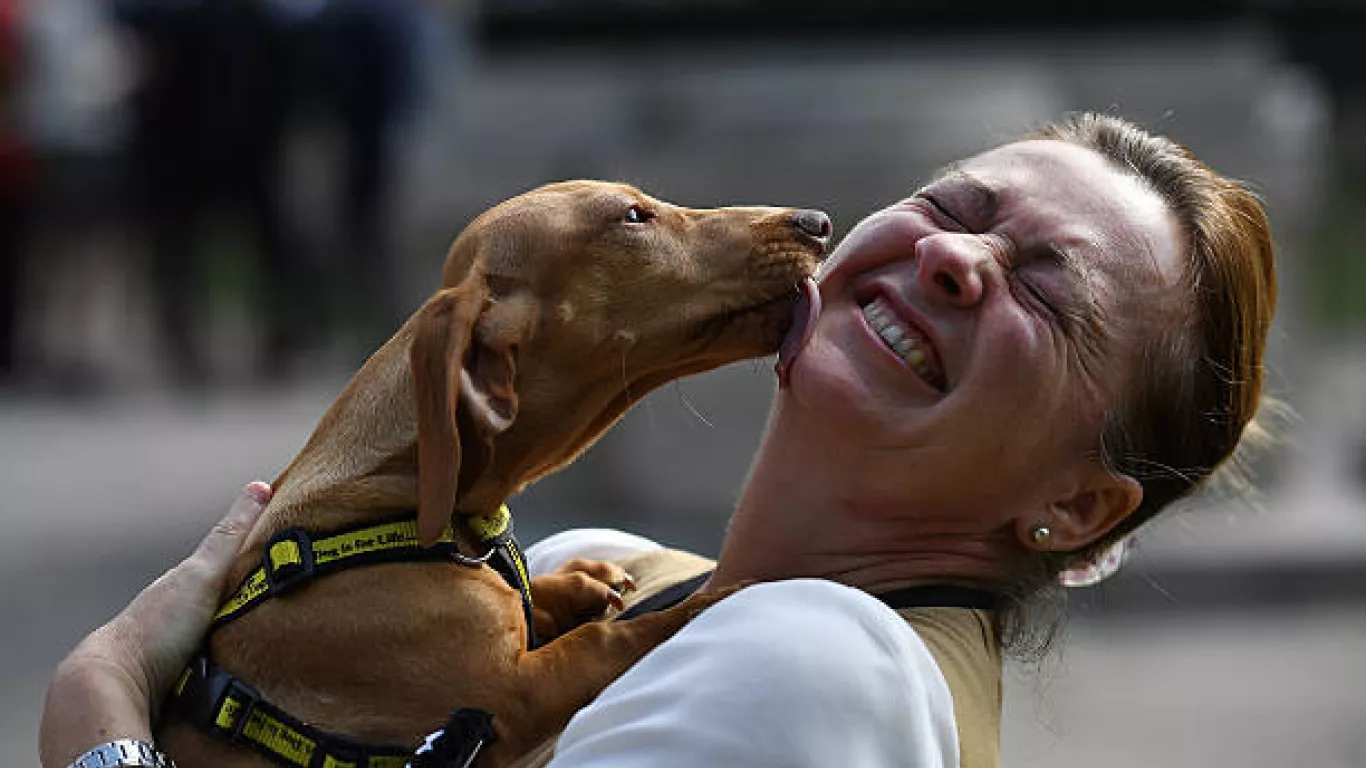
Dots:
{"x": 813, "y": 629}
{"x": 800, "y": 672}
{"x": 809, "y": 611}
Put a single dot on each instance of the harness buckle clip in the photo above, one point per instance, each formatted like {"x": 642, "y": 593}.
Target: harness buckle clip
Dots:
{"x": 205, "y": 699}
{"x": 335, "y": 754}
{"x": 459, "y": 741}
{"x": 201, "y": 693}
{"x": 288, "y": 560}
{"x": 249, "y": 699}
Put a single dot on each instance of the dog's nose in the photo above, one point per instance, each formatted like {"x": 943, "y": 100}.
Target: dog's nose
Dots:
{"x": 813, "y": 223}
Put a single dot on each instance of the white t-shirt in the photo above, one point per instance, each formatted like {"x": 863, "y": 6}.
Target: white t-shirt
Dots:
{"x": 804, "y": 672}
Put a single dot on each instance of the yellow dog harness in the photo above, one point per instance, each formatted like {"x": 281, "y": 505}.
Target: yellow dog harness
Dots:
{"x": 222, "y": 705}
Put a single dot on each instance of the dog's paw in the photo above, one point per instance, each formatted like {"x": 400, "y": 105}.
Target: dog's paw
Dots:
{"x": 606, "y": 572}
{"x": 578, "y": 591}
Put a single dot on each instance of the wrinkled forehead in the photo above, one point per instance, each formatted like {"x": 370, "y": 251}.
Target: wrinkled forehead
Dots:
{"x": 1072, "y": 196}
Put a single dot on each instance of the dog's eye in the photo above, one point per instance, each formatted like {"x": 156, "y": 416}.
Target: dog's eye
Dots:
{"x": 637, "y": 215}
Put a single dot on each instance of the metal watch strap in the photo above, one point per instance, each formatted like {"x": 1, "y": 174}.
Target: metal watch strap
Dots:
{"x": 124, "y": 753}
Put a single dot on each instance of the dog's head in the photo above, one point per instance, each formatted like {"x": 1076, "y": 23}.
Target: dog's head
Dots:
{"x": 563, "y": 306}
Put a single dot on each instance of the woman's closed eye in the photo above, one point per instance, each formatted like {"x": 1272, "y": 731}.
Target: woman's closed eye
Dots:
{"x": 1035, "y": 294}
{"x": 1056, "y": 287}
{"x": 943, "y": 212}
{"x": 1068, "y": 280}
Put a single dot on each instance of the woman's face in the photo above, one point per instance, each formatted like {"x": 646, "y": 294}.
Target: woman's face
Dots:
{"x": 974, "y": 334}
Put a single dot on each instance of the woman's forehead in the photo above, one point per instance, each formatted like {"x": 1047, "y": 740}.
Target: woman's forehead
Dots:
{"x": 1075, "y": 175}
{"x": 1074, "y": 194}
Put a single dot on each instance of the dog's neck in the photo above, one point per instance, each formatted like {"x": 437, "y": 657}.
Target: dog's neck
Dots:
{"x": 365, "y": 447}
{"x": 549, "y": 433}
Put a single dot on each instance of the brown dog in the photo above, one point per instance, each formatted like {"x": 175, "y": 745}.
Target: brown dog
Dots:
{"x": 559, "y": 309}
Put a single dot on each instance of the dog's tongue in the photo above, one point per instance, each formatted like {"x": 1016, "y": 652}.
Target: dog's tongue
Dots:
{"x": 803, "y": 324}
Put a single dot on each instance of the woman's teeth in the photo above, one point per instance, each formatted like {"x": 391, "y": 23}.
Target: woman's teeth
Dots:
{"x": 900, "y": 338}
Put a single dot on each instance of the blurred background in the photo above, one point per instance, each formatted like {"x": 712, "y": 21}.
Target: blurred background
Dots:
{"x": 211, "y": 211}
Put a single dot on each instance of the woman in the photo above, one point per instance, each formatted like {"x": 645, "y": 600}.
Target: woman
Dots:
{"x": 1009, "y": 371}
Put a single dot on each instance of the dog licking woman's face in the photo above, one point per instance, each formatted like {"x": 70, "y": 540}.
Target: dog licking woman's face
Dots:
{"x": 973, "y": 336}
{"x": 594, "y": 270}
{"x": 589, "y": 295}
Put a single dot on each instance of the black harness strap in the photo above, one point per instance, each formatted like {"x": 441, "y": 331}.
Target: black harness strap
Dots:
{"x": 224, "y": 706}
{"x": 939, "y": 596}
{"x": 510, "y": 563}
{"x": 666, "y": 598}
{"x": 927, "y": 596}
{"x": 294, "y": 556}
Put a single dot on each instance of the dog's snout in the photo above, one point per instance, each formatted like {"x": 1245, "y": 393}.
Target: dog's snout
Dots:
{"x": 813, "y": 223}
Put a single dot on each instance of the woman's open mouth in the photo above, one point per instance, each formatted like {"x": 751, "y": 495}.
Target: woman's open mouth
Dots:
{"x": 907, "y": 342}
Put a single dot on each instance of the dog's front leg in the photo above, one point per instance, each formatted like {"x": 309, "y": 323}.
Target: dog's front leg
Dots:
{"x": 561, "y": 678}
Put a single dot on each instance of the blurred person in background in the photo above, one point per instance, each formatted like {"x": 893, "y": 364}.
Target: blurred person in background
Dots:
{"x": 363, "y": 72}
{"x": 15, "y": 185}
{"x": 217, "y": 82}
{"x": 1003, "y": 376}
{"x": 224, "y": 86}
{"x": 71, "y": 106}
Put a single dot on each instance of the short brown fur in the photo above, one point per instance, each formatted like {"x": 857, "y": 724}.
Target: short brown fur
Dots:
{"x": 555, "y": 315}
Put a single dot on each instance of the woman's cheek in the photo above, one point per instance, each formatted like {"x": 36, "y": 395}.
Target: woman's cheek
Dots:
{"x": 882, "y": 237}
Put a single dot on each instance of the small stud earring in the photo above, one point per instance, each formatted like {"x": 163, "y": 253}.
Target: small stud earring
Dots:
{"x": 1040, "y": 534}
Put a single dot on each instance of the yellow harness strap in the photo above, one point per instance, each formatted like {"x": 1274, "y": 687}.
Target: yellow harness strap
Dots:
{"x": 293, "y": 557}
{"x": 219, "y": 703}
{"x": 228, "y": 708}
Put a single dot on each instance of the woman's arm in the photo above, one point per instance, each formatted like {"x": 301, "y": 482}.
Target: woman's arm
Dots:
{"x": 109, "y": 686}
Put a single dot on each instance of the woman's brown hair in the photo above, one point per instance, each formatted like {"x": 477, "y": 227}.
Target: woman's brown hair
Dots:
{"x": 1197, "y": 386}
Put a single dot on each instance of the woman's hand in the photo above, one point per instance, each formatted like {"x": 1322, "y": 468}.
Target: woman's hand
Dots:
{"x": 110, "y": 685}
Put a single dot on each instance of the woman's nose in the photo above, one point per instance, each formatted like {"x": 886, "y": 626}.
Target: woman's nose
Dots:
{"x": 951, "y": 267}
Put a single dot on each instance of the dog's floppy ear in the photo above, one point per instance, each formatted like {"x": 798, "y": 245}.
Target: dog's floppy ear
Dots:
{"x": 458, "y": 375}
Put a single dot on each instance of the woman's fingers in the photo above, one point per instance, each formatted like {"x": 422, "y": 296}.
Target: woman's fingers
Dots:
{"x": 194, "y": 586}
{"x": 216, "y": 552}
{"x": 110, "y": 685}
{"x": 164, "y": 624}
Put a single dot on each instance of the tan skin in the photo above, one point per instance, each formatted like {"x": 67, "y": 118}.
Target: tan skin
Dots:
{"x": 876, "y": 476}
{"x": 870, "y": 475}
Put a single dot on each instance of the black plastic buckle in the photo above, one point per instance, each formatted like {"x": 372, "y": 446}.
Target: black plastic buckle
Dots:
{"x": 459, "y": 741}
{"x": 290, "y": 575}
{"x": 207, "y": 690}
{"x": 248, "y": 696}
{"x": 338, "y": 752}
{"x": 199, "y": 695}
{"x": 205, "y": 693}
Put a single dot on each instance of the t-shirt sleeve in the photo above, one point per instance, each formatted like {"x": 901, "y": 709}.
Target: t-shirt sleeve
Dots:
{"x": 794, "y": 673}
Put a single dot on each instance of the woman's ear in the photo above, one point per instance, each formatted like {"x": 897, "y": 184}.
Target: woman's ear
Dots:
{"x": 1090, "y": 511}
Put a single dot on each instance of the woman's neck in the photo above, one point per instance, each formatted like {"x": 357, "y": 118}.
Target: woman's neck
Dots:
{"x": 809, "y": 510}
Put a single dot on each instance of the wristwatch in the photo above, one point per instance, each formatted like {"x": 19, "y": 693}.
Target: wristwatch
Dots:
{"x": 124, "y": 753}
